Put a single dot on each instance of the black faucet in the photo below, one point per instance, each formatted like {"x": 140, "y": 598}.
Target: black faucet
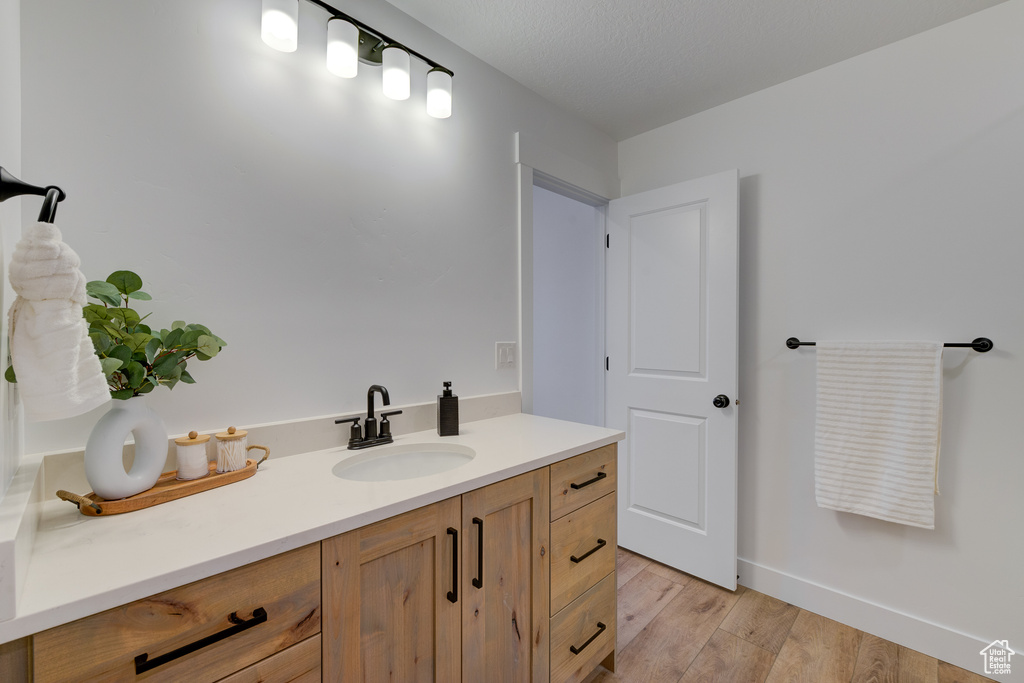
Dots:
{"x": 368, "y": 436}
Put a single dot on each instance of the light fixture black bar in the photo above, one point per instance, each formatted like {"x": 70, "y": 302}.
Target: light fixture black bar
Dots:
{"x": 981, "y": 344}
{"x": 369, "y": 29}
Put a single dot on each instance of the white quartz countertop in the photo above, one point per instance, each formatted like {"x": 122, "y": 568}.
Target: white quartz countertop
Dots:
{"x": 83, "y": 565}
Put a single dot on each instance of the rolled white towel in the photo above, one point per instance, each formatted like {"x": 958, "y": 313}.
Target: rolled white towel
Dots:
{"x": 58, "y": 372}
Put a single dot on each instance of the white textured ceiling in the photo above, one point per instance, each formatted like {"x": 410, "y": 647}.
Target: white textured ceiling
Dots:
{"x": 632, "y": 65}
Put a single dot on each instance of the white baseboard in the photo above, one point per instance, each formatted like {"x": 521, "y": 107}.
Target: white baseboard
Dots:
{"x": 935, "y": 640}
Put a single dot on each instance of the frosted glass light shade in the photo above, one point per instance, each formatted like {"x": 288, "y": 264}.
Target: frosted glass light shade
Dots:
{"x": 396, "y": 72}
{"x": 280, "y": 29}
{"x": 342, "y": 48}
{"x": 439, "y": 93}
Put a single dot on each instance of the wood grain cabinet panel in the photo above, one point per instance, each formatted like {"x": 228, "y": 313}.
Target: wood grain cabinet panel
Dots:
{"x": 387, "y": 589}
{"x": 505, "y": 574}
{"x": 582, "y": 550}
{"x": 200, "y": 632}
{"x": 582, "y": 479}
{"x": 298, "y": 664}
{"x": 583, "y": 634}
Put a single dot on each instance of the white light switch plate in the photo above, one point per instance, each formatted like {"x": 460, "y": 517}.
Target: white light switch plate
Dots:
{"x": 504, "y": 355}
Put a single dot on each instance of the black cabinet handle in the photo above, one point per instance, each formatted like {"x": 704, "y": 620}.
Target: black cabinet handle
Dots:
{"x": 453, "y": 594}
{"x": 479, "y": 580}
{"x": 576, "y": 650}
{"x": 600, "y": 544}
{"x": 144, "y": 664}
{"x": 599, "y": 477}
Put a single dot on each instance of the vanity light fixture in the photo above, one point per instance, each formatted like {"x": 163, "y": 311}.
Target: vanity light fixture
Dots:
{"x": 280, "y": 28}
{"x": 349, "y": 41}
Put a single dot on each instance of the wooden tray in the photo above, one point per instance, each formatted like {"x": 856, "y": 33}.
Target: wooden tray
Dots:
{"x": 167, "y": 487}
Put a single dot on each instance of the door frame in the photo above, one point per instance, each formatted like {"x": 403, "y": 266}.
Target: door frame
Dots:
{"x": 528, "y": 178}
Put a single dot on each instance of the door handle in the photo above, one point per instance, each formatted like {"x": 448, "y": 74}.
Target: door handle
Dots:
{"x": 588, "y": 482}
{"x": 721, "y": 401}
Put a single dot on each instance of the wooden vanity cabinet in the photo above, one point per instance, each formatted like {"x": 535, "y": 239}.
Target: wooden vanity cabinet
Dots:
{"x": 391, "y": 599}
{"x": 505, "y": 627}
{"x": 259, "y": 620}
{"x": 401, "y": 604}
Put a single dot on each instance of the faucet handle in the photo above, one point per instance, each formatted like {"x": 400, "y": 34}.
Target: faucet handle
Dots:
{"x": 385, "y": 425}
{"x": 355, "y": 434}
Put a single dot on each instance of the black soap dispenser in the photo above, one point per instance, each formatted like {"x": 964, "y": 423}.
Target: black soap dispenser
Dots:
{"x": 447, "y": 412}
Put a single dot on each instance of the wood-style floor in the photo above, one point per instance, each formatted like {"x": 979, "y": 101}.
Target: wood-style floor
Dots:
{"x": 674, "y": 628}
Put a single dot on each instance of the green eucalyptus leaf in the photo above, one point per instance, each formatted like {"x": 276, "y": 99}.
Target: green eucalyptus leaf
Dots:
{"x": 190, "y": 339}
{"x": 9, "y": 375}
{"x": 108, "y": 300}
{"x": 172, "y": 338}
{"x": 140, "y": 295}
{"x": 206, "y": 346}
{"x": 125, "y": 281}
{"x": 137, "y": 341}
{"x": 178, "y": 325}
{"x": 100, "y": 342}
{"x": 202, "y": 356}
{"x": 110, "y": 365}
{"x": 174, "y": 377}
{"x": 152, "y": 379}
{"x": 146, "y": 388}
{"x": 197, "y": 326}
{"x": 94, "y": 312}
{"x": 152, "y": 347}
{"x": 187, "y": 378}
{"x": 96, "y": 288}
{"x": 122, "y": 394}
{"x": 111, "y": 329}
{"x": 126, "y": 317}
{"x": 164, "y": 366}
{"x": 136, "y": 374}
{"x": 122, "y": 353}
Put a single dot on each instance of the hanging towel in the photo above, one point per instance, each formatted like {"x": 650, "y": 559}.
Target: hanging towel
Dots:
{"x": 879, "y": 412}
{"x": 58, "y": 372}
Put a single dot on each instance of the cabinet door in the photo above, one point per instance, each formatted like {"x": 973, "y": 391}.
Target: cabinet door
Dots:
{"x": 388, "y": 615}
{"x": 505, "y": 629}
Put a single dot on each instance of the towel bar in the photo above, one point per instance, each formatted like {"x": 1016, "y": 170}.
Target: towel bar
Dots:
{"x": 981, "y": 344}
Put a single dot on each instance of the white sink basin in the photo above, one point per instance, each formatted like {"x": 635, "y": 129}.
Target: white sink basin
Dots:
{"x": 403, "y": 461}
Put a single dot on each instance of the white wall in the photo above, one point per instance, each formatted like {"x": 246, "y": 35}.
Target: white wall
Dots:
{"x": 333, "y": 237}
{"x": 10, "y": 220}
{"x": 567, "y": 322}
{"x": 881, "y": 198}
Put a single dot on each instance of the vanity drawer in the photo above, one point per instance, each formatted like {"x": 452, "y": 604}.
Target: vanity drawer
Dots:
{"x": 582, "y": 550}
{"x": 200, "y": 632}
{"x": 298, "y": 664}
{"x": 582, "y": 479}
{"x": 583, "y": 633}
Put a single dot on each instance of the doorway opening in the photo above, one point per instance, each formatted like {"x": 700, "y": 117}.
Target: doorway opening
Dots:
{"x": 563, "y": 346}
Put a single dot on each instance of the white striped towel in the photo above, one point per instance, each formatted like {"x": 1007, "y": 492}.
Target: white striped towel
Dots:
{"x": 878, "y": 427}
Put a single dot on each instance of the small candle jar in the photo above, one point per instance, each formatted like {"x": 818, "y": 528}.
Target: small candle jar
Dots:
{"x": 192, "y": 462}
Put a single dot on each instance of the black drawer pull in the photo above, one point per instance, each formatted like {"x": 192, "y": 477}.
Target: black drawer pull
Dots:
{"x": 479, "y": 580}
{"x": 599, "y": 477}
{"x": 600, "y": 544}
{"x": 576, "y": 650}
{"x": 144, "y": 664}
{"x": 453, "y": 594}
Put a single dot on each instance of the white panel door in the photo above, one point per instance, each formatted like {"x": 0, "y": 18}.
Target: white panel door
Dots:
{"x": 672, "y": 357}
